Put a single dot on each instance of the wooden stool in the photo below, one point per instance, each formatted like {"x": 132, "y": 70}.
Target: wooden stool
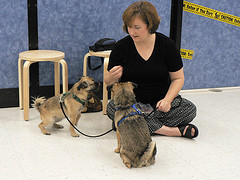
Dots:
{"x": 33, "y": 56}
{"x": 105, "y": 55}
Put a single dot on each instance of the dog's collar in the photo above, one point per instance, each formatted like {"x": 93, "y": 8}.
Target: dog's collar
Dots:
{"x": 138, "y": 112}
{"x": 78, "y": 100}
{"x": 74, "y": 97}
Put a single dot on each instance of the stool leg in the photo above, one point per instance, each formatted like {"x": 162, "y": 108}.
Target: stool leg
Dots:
{"x": 85, "y": 64}
{"x": 105, "y": 92}
{"x": 57, "y": 78}
{"x": 26, "y": 89}
{"x": 64, "y": 75}
{"x": 20, "y": 82}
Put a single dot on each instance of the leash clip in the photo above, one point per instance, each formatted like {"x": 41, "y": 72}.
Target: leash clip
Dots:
{"x": 60, "y": 100}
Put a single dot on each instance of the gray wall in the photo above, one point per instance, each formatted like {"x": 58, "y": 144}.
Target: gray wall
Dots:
{"x": 13, "y": 39}
{"x": 72, "y": 26}
{"x": 216, "y": 45}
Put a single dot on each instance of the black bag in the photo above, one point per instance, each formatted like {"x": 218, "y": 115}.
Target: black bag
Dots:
{"x": 101, "y": 45}
{"x": 93, "y": 105}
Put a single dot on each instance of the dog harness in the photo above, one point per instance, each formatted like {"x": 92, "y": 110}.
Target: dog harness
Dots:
{"x": 74, "y": 97}
{"x": 138, "y": 112}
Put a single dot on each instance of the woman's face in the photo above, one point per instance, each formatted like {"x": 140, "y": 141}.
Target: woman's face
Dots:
{"x": 138, "y": 30}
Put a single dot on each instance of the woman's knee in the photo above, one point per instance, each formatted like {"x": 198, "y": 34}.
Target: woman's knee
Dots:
{"x": 192, "y": 111}
{"x": 111, "y": 110}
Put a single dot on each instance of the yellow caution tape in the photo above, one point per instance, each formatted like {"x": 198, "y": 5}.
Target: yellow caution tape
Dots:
{"x": 211, "y": 13}
{"x": 186, "y": 54}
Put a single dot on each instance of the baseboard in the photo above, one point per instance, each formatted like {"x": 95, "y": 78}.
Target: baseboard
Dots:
{"x": 217, "y": 89}
{"x": 10, "y": 97}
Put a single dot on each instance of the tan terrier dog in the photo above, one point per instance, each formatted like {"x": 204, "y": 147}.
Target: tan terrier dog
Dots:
{"x": 73, "y": 101}
{"x": 135, "y": 145}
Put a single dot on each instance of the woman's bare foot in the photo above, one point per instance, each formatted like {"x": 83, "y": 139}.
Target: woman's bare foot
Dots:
{"x": 174, "y": 131}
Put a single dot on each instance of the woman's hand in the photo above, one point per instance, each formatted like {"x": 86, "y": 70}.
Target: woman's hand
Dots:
{"x": 177, "y": 80}
{"x": 163, "y": 105}
{"x": 116, "y": 72}
{"x": 113, "y": 75}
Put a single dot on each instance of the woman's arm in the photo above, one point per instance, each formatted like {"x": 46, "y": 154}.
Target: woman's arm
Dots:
{"x": 177, "y": 81}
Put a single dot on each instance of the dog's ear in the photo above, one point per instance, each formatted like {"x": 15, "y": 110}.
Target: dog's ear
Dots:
{"x": 82, "y": 85}
{"x": 109, "y": 88}
{"x": 135, "y": 85}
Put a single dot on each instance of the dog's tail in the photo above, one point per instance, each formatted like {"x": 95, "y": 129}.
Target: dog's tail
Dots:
{"x": 148, "y": 157}
{"x": 37, "y": 102}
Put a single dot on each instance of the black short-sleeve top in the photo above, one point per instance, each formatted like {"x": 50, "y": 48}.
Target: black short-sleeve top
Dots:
{"x": 152, "y": 76}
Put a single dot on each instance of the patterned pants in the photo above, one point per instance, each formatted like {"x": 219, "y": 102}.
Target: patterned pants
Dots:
{"x": 182, "y": 112}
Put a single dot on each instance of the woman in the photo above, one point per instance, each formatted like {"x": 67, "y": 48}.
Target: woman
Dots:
{"x": 151, "y": 60}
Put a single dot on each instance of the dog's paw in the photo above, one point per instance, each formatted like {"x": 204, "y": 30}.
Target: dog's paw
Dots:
{"x": 58, "y": 126}
{"x": 117, "y": 150}
{"x": 47, "y": 133}
{"x": 128, "y": 165}
{"x": 74, "y": 135}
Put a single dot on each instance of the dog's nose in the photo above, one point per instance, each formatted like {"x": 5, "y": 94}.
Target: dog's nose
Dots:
{"x": 97, "y": 84}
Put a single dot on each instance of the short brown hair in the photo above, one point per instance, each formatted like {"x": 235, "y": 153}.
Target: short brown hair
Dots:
{"x": 146, "y": 11}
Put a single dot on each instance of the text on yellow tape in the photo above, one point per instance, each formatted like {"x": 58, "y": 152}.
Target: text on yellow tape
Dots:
{"x": 186, "y": 53}
{"x": 211, "y": 13}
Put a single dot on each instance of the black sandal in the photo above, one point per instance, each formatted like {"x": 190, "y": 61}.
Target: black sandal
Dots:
{"x": 188, "y": 131}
